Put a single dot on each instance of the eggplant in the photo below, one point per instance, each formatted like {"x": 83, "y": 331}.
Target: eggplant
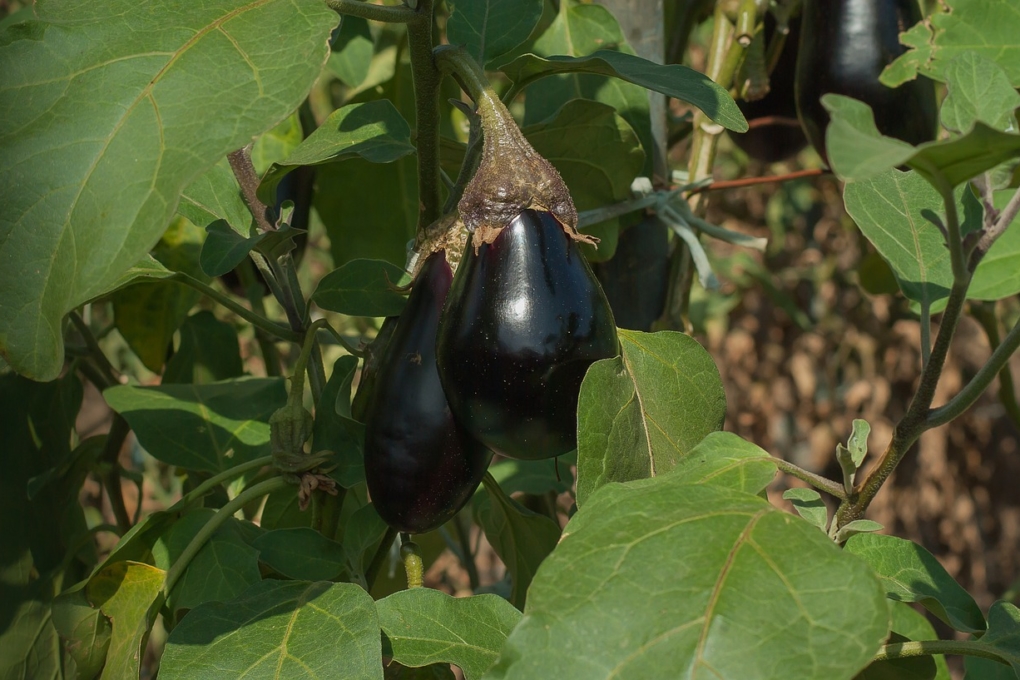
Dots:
{"x": 420, "y": 464}
{"x": 775, "y": 132}
{"x": 524, "y": 320}
{"x": 844, "y": 46}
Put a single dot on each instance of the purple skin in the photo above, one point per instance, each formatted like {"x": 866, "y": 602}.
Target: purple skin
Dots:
{"x": 421, "y": 466}
{"x": 844, "y": 46}
{"x": 524, "y": 320}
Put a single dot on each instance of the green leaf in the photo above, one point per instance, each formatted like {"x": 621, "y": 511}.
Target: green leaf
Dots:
{"x": 888, "y": 208}
{"x": 1003, "y": 637}
{"x": 912, "y": 625}
{"x": 858, "y": 152}
{"x": 489, "y": 28}
{"x": 912, "y": 574}
{"x": 85, "y": 630}
{"x": 520, "y": 537}
{"x": 700, "y": 580}
{"x": 363, "y": 288}
{"x": 724, "y": 459}
{"x": 365, "y": 528}
{"x": 351, "y": 55}
{"x": 532, "y": 476}
{"x": 373, "y": 131}
{"x": 221, "y": 569}
{"x": 978, "y": 91}
{"x": 109, "y": 111}
{"x": 858, "y": 442}
{"x": 278, "y": 629}
{"x": 426, "y": 626}
{"x": 598, "y": 155}
{"x": 672, "y": 80}
{"x": 909, "y": 668}
{"x": 128, "y": 593}
{"x": 809, "y": 505}
{"x": 202, "y": 427}
{"x": 214, "y": 196}
{"x": 998, "y": 275}
{"x": 981, "y": 26}
{"x": 282, "y": 511}
{"x": 335, "y": 431}
{"x": 302, "y": 554}
{"x": 225, "y": 248}
{"x": 148, "y": 313}
{"x": 276, "y": 144}
{"x": 858, "y": 526}
{"x": 640, "y": 413}
{"x": 209, "y": 352}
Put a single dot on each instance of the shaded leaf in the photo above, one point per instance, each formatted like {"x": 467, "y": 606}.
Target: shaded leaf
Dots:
{"x": 109, "y": 111}
{"x": 532, "y": 476}
{"x": 302, "y": 554}
{"x": 224, "y": 248}
{"x": 489, "y": 28}
{"x": 425, "y": 626}
{"x": 700, "y": 580}
{"x": 913, "y": 625}
{"x": 201, "y": 427}
{"x": 910, "y": 668}
{"x": 365, "y": 528}
{"x": 520, "y": 537}
{"x": 85, "y": 630}
{"x": 209, "y": 351}
{"x": 334, "y": 430}
{"x": 598, "y": 155}
{"x": 1003, "y": 637}
{"x": 351, "y": 54}
{"x": 128, "y": 594}
{"x": 910, "y": 573}
{"x": 640, "y": 413}
{"x": 373, "y": 131}
{"x": 363, "y": 288}
{"x": 275, "y": 630}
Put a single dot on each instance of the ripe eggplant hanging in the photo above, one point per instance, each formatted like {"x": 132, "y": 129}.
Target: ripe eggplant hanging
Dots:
{"x": 775, "y": 132}
{"x": 844, "y": 46}
{"x": 524, "y": 320}
{"x": 420, "y": 464}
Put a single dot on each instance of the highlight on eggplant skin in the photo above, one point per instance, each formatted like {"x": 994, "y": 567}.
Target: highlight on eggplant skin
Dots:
{"x": 524, "y": 320}
{"x": 844, "y": 47}
{"x": 420, "y": 464}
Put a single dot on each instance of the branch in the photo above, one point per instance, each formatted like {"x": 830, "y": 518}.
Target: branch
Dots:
{"x": 426, "y": 79}
{"x": 751, "y": 181}
{"x": 244, "y": 171}
{"x": 821, "y": 483}
{"x": 265, "y": 324}
{"x": 996, "y": 229}
{"x": 906, "y": 650}
{"x": 397, "y": 14}
{"x": 119, "y": 430}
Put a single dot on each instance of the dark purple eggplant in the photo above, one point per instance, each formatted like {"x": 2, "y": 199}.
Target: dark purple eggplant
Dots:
{"x": 844, "y": 46}
{"x": 420, "y": 464}
{"x": 524, "y": 320}
{"x": 774, "y": 133}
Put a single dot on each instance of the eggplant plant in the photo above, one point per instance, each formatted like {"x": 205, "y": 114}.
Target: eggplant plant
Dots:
{"x": 326, "y": 266}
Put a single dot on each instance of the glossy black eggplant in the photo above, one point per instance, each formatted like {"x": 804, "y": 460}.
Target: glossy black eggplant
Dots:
{"x": 420, "y": 465}
{"x": 636, "y": 277}
{"x": 775, "y": 132}
{"x": 844, "y": 46}
{"x": 524, "y": 320}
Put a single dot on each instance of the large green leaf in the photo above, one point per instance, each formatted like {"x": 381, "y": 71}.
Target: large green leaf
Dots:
{"x": 983, "y": 26}
{"x": 301, "y": 553}
{"x": 657, "y": 578}
{"x": 128, "y": 593}
{"x": 209, "y": 352}
{"x": 202, "y": 427}
{"x": 520, "y": 537}
{"x": 978, "y": 91}
{"x": 373, "y": 131}
{"x": 425, "y": 626}
{"x": 489, "y": 28}
{"x": 640, "y": 413}
{"x": 351, "y": 53}
{"x": 912, "y": 574}
{"x": 215, "y": 195}
{"x": 724, "y": 459}
{"x": 1003, "y": 637}
{"x": 363, "y": 288}
{"x": 858, "y": 152}
{"x": 224, "y": 566}
{"x": 109, "y": 110}
{"x": 598, "y": 155}
{"x": 279, "y": 629}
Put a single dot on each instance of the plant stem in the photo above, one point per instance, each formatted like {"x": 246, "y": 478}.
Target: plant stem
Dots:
{"x": 119, "y": 430}
{"x": 244, "y": 171}
{"x": 265, "y": 324}
{"x": 925, "y": 332}
{"x": 331, "y": 507}
{"x": 468, "y": 557}
{"x": 906, "y": 650}
{"x": 821, "y": 483}
{"x": 379, "y": 557}
{"x": 109, "y": 374}
{"x": 426, "y": 79}
{"x": 998, "y": 363}
{"x": 398, "y": 14}
{"x": 414, "y": 566}
{"x": 209, "y": 528}
{"x": 751, "y": 181}
{"x": 214, "y": 481}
